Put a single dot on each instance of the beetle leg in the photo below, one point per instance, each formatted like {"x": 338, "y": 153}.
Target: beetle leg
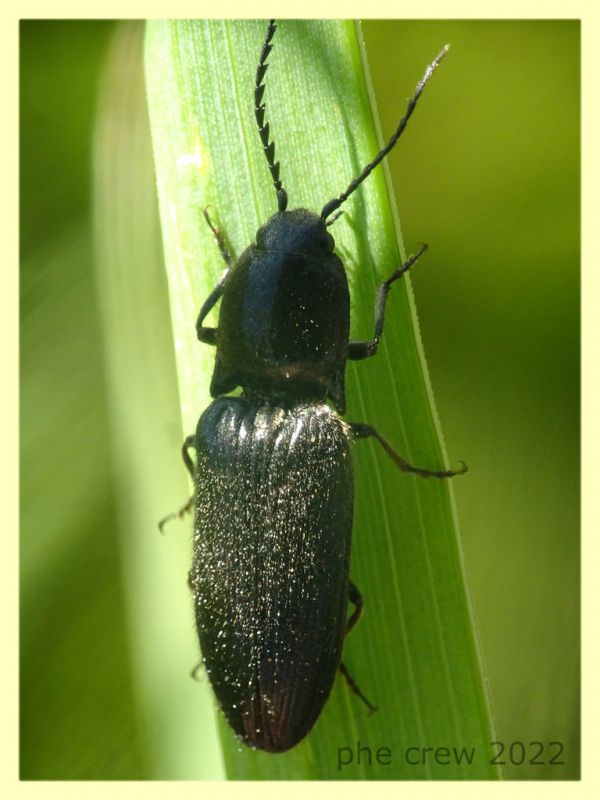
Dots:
{"x": 179, "y": 514}
{"x": 194, "y": 673}
{"x": 206, "y": 334}
{"x": 354, "y": 688}
{"x": 355, "y": 597}
{"x": 362, "y": 431}
{"x": 185, "y": 453}
{"x": 187, "y": 460}
{"x": 218, "y": 234}
{"x": 359, "y": 350}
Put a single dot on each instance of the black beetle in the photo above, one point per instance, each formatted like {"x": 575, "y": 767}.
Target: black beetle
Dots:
{"x": 273, "y": 471}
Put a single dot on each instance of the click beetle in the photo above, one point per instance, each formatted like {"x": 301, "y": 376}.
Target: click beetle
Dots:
{"x": 273, "y": 476}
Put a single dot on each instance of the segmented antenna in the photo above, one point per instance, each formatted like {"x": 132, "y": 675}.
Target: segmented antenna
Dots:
{"x": 334, "y": 204}
{"x": 259, "y": 112}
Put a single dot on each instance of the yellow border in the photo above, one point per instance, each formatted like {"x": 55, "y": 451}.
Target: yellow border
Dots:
{"x": 589, "y": 13}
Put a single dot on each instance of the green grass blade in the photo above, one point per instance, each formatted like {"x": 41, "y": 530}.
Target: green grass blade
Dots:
{"x": 415, "y": 652}
{"x": 145, "y": 423}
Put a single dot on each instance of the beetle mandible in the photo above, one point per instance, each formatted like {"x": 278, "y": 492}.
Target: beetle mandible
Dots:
{"x": 273, "y": 477}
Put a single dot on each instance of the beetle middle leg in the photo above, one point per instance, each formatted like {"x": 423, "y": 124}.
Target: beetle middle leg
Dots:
{"x": 359, "y": 350}
{"x": 187, "y": 460}
{"x": 362, "y": 431}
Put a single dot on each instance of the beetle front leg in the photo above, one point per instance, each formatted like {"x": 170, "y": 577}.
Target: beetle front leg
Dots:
{"x": 218, "y": 234}
{"x": 205, "y": 334}
{"x": 359, "y": 350}
{"x": 187, "y": 460}
{"x": 362, "y": 431}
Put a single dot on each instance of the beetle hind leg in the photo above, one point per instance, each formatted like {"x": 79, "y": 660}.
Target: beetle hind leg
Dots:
{"x": 355, "y": 597}
{"x": 354, "y": 688}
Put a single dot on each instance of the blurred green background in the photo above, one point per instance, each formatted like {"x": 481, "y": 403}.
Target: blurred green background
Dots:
{"x": 492, "y": 184}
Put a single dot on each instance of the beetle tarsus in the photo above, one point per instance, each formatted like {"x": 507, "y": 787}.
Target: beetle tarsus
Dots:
{"x": 354, "y": 688}
{"x": 218, "y": 234}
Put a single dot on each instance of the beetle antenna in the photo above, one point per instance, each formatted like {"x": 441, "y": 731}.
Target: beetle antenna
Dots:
{"x": 334, "y": 204}
{"x": 259, "y": 112}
